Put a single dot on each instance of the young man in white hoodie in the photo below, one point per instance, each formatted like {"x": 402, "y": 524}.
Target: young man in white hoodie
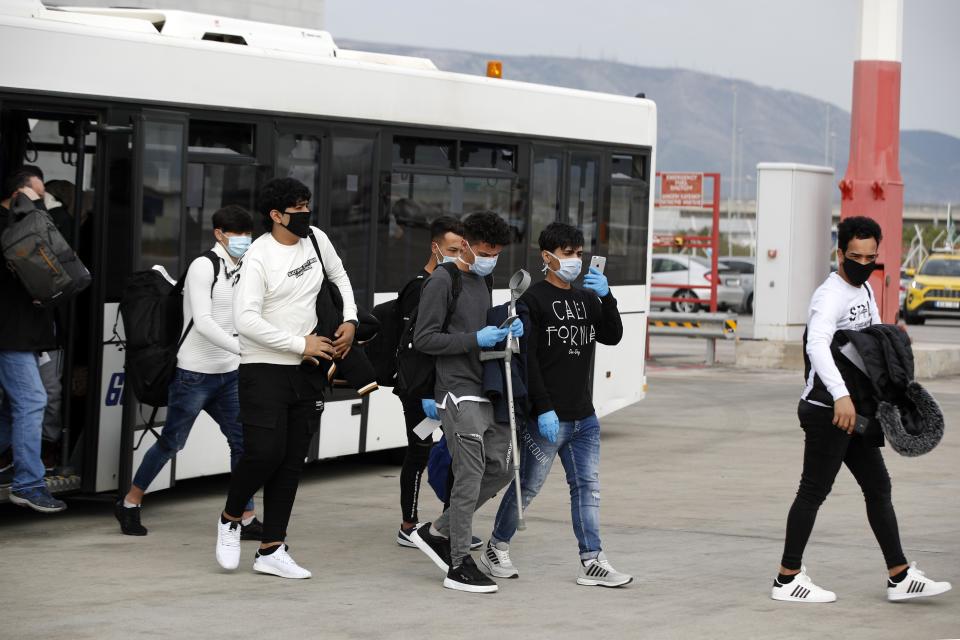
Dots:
{"x": 280, "y": 404}
{"x": 828, "y": 416}
{"x": 206, "y": 375}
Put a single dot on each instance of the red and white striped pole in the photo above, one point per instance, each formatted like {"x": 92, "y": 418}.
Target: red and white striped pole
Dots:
{"x": 873, "y": 185}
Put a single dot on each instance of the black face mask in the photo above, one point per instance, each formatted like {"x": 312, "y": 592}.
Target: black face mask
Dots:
{"x": 299, "y": 224}
{"x": 857, "y": 273}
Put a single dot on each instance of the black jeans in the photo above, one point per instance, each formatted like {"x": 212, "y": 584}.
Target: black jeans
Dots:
{"x": 826, "y": 448}
{"x": 414, "y": 461}
{"x": 280, "y": 410}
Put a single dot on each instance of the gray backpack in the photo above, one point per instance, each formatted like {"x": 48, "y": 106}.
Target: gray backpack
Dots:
{"x": 35, "y": 250}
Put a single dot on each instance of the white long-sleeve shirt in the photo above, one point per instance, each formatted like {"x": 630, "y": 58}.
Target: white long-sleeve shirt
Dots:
{"x": 275, "y": 297}
{"x": 212, "y": 345}
{"x": 836, "y": 305}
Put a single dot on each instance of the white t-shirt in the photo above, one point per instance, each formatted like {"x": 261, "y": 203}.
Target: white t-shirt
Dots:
{"x": 836, "y": 305}
{"x": 276, "y": 294}
{"x": 212, "y": 345}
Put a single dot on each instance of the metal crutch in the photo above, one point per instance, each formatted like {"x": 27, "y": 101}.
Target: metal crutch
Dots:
{"x": 519, "y": 283}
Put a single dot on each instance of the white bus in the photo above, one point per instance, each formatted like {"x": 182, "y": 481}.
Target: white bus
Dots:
{"x": 157, "y": 118}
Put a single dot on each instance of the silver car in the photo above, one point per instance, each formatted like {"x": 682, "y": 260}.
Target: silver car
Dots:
{"x": 682, "y": 276}
{"x": 744, "y": 266}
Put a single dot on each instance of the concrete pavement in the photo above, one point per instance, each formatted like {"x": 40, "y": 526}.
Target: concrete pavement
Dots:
{"x": 696, "y": 483}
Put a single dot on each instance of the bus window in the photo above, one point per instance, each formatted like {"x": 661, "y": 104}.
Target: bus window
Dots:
{"x": 298, "y": 156}
{"x": 210, "y": 187}
{"x": 162, "y": 195}
{"x": 544, "y": 196}
{"x": 477, "y": 155}
{"x": 582, "y": 195}
{"x": 221, "y": 138}
{"x": 424, "y": 152}
{"x": 351, "y": 189}
{"x": 624, "y": 235}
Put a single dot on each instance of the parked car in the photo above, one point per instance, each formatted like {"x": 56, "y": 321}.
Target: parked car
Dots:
{"x": 934, "y": 290}
{"x": 744, "y": 265}
{"x": 682, "y": 272}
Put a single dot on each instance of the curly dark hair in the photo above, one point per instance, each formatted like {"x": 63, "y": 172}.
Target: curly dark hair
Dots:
{"x": 486, "y": 226}
{"x": 859, "y": 227}
{"x": 560, "y": 235}
{"x": 233, "y": 219}
{"x": 280, "y": 194}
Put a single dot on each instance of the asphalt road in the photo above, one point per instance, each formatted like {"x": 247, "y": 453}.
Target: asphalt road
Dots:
{"x": 696, "y": 483}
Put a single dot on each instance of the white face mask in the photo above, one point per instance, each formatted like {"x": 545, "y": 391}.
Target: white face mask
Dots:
{"x": 442, "y": 259}
{"x": 482, "y": 266}
{"x": 569, "y": 268}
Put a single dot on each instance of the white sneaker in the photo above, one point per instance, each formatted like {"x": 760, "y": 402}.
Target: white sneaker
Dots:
{"x": 279, "y": 563}
{"x": 496, "y": 560}
{"x": 915, "y": 585}
{"x": 599, "y": 573}
{"x": 228, "y": 544}
{"x": 801, "y": 589}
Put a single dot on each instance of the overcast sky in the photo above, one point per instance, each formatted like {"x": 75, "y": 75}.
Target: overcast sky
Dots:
{"x": 804, "y": 45}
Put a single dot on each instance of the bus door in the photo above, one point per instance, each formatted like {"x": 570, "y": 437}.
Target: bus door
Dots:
{"x": 60, "y": 142}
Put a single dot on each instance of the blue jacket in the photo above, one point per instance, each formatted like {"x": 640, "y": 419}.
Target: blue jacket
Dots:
{"x": 494, "y": 383}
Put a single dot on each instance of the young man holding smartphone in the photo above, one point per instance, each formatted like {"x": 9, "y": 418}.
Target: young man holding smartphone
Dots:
{"x": 565, "y": 325}
{"x": 845, "y": 301}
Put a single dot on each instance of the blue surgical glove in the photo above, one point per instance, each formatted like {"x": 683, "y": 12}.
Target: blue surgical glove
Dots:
{"x": 430, "y": 408}
{"x": 517, "y": 328}
{"x": 596, "y": 282}
{"x": 549, "y": 425}
{"x": 490, "y": 336}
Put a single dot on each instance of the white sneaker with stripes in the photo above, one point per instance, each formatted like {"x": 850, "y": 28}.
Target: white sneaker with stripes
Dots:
{"x": 599, "y": 573}
{"x": 801, "y": 589}
{"x": 915, "y": 585}
{"x": 496, "y": 559}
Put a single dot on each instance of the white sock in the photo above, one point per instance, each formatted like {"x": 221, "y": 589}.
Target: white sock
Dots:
{"x": 129, "y": 505}
{"x": 246, "y": 521}
{"x": 435, "y": 532}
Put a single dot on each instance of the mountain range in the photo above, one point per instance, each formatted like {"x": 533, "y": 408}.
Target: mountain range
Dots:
{"x": 695, "y": 125}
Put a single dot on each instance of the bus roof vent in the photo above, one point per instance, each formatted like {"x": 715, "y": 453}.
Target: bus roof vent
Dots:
{"x": 275, "y": 37}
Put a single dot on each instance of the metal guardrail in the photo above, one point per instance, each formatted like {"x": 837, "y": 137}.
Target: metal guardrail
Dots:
{"x": 711, "y": 326}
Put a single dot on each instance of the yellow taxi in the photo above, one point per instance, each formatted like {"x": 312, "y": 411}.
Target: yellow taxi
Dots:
{"x": 934, "y": 291}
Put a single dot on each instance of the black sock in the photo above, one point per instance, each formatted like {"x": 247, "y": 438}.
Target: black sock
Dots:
{"x": 786, "y": 579}
{"x": 897, "y": 579}
{"x": 223, "y": 520}
{"x": 269, "y": 550}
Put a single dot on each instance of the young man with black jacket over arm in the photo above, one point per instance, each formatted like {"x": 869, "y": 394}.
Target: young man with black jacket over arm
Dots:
{"x": 565, "y": 325}
{"x": 479, "y": 447}
{"x": 280, "y": 403}
{"x": 446, "y": 235}
{"x": 828, "y": 416}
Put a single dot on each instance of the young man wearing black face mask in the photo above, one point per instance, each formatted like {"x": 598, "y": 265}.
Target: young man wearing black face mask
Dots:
{"x": 828, "y": 416}
{"x": 280, "y": 405}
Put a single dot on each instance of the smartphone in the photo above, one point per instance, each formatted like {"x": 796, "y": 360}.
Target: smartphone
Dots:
{"x": 599, "y": 263}
{"x": 860, "y": 426}
{"x": 509, "y": 321}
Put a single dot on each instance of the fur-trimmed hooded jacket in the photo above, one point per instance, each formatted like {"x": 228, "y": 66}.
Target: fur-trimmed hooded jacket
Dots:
{"x": 878, "y": 366}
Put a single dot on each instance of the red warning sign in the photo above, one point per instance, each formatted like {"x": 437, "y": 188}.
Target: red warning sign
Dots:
{"x": 681, "y": 190}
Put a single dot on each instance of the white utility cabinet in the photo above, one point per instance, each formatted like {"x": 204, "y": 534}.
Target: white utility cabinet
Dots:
{"x": 794, "y": 214}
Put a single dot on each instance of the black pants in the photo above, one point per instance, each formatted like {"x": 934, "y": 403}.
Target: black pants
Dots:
{"x": 280, "y": 409}
{"x": 826, "y": 448}
{"x": 414, "y": 461}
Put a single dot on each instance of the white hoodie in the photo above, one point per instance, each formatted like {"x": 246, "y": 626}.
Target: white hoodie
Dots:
{"x": 836, "y": 305}
{"x": 275, "y": 297}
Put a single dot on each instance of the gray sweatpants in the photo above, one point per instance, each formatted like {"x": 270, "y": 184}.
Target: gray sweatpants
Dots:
{"x": 480, "y": 449}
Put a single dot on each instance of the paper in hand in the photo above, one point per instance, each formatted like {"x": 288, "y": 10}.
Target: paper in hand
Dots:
{"x": 426, "y": 428}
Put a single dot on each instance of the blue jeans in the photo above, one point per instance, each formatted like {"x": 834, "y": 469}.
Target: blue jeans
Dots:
{"x": 578, "y": 445}
{"x": 190, "y": 393}
{"x": 21, "y": 416}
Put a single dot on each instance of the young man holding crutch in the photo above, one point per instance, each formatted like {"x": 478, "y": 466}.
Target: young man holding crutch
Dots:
{"x": 479, "y": 447}
{"x": 565, "y": 324}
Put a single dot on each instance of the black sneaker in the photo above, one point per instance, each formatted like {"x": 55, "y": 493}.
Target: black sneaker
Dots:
{"x": 475, "y": 543}
{"x": 437, "y": 548}
{"x": 468, "y": 577}
{"x": 129, "y": 519}
{"x": 252, "y": 531}
{"x": 403, "y": 537}
{"x": 6, "y": 478}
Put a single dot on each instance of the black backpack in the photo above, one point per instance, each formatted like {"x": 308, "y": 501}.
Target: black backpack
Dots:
{"x": 152, "y": 311}
{"x": 416, "y": 371}
{"x": 382, "y": 350}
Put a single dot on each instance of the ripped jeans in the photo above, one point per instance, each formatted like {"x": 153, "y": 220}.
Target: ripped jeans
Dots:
{"x": 578, "y": 445}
